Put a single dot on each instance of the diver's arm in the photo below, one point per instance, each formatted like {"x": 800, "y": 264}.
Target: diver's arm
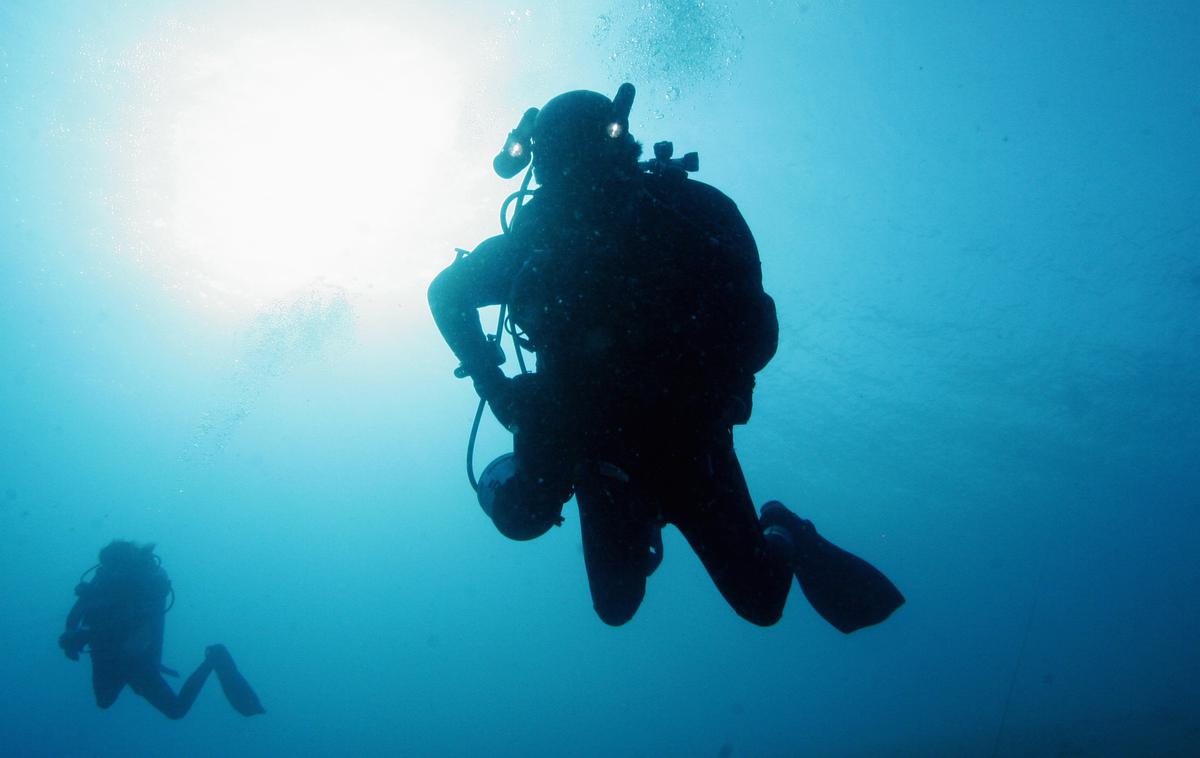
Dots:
{"x": 759, "y": 307}
{"x": 75, "y": 616}
{"x": 745, "y": 306}
{"x": 73, "y": 638}
{"x": 480, "y": 279}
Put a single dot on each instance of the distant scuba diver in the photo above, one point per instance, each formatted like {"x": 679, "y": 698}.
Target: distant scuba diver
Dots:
{"x": 639, "y": 290}
{"x": 118, "y": 619}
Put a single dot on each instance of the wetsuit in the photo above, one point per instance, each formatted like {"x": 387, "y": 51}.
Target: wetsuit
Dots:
{"x": 643, "y": 302}
{"x": 120, "y": 616}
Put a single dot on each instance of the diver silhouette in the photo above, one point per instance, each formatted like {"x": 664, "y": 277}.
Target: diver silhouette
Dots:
{"x": 639, "y": 291}
{"x": 119, "y": 618}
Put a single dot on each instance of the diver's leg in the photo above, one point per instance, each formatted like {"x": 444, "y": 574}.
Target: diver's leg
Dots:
{"x": 107, "y": 679}
{"x": 708, "y": 500}
{"x": 237, "y": 690}
{"x": 617, "y": 531}
{"x": 151, "y": 685}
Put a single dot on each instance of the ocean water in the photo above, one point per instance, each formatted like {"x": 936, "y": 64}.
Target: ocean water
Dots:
{"x": 979, "y": 221}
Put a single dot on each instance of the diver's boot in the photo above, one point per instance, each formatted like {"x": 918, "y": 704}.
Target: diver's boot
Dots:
{"x": 237, "y": 690}
{"x": 847, "y": 591}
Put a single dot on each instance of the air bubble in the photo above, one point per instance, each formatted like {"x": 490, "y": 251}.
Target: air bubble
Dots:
{"x": 669, "y": 45}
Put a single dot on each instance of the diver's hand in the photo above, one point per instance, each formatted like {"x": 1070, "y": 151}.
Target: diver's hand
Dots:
{"x": 512, "y": 399}
{"x": 489, "y": 382}
{"x": 497, "y": 389}
{"x": 70, "y": 642}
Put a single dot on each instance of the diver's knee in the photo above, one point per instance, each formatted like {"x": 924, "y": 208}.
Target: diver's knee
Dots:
{"x": 763, "y": 618}
{"x": 615, "y": 616}
{"x": 106, "y": 696}
{"x": 617, "y": 610}
{"x": 760, "y": 611}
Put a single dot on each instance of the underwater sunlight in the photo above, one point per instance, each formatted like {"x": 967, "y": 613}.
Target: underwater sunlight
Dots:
{"x": 279, "y": 158}
{"x": 874, "y": 434}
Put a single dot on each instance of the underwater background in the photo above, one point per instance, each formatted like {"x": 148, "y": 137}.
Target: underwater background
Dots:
{"x": 979, "y": 222}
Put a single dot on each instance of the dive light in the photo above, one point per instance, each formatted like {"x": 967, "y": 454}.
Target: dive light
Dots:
{"x": 518, "y": 148}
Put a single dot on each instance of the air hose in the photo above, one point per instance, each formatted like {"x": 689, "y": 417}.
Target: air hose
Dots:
{"x": 519, "y": 198}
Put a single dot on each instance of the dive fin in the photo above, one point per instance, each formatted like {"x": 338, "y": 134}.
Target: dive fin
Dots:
{"x": 237, "y": 690}
{"x": 847, "y": 591}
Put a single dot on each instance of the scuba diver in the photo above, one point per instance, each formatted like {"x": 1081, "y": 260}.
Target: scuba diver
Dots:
{"x": 638, "y": 290}
{"x": 118, "y": 619}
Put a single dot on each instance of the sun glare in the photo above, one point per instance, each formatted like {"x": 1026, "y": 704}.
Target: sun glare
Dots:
{"x": 301, "y": 155}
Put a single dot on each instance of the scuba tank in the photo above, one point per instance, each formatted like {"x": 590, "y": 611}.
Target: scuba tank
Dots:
{"x": 516, "y": 155}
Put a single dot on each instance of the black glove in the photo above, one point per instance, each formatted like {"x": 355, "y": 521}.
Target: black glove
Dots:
{"x": 71, "y": 643}
{"x": 497, "y": 389}
{"x": 511, "y": 399}
{"x": 489, "y": 381}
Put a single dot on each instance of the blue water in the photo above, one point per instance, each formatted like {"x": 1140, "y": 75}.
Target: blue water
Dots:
{"x": 979, "y": 222}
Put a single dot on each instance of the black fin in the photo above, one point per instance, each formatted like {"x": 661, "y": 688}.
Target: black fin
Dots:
{"x": 237, "y": 690}
{"x": 847, "y": 591}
